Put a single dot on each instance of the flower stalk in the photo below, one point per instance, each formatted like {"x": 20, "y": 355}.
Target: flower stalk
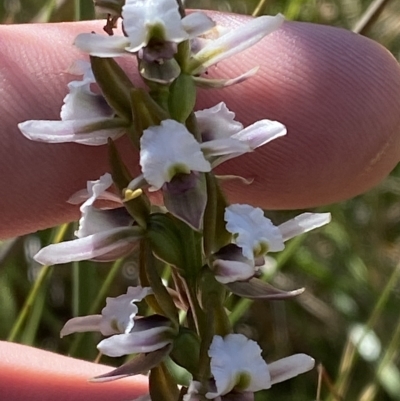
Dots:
{"x": 212, "y": 248}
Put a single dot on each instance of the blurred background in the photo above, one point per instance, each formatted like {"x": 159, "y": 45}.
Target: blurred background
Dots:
{"x": 349, "y": 317}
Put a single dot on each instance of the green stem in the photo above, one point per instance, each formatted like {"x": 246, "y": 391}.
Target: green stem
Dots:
{"x": 41, "y": 279}
{"x": 370, "y": 16}
{"x": 99, "y": 300}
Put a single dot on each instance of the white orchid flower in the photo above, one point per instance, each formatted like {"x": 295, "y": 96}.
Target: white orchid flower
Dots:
{"x": 151, "y": 26}
{"x": 253, "y": 236}
{"x": 86, "y": 117}
{"x": 219, "y": 130}
{"x": 236, "y": 364}
{"x": 103, "y": 235}
{"x": 128, "y": 333}
{"x": 116, "y": 317}
{"x": 257, "y": 235}
{"x": 167, "y": 150}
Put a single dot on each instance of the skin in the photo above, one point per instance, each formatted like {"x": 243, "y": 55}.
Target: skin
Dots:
{"x": 336, "y": 92}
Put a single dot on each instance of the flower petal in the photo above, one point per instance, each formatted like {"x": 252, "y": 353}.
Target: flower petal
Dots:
{"x": 140, "y": 340}
{"x": 229, "y": 271}
{"x": 236, "y": 363}
{"x": 303, "y": 223}
{"x": 235, "y": 41}
{"x": 260, "y": 133}
{"x": 141, "y": 364}
{"x": 120, "y": 241}
{"x": 217, "y": 122}
{"x": 223, "y": 83}
{"x": 254, "y": 233}
{"x": 186, "y": 198}
{"x": 119, "y": 312}
{"x": 142, "y": 16}
{"x": 95, "y": 221}
{"x": 83, "y": 104}
{"x": 79, "y": 131}
{"x": 230, "y": 265}
{"x": 101, "y": 45}
{"x": 197, "y": 23}
{"x": 169, "y": 149}
{"x": 258, "y": 289}
{"x": 290, "y": 367}
{"x": 81, "y": 324}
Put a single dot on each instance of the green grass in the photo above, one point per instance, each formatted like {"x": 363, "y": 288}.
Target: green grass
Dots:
{"x": 348, "y": 319}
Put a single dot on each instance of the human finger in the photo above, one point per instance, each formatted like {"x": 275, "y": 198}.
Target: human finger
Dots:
{"x": 335, "y": 91}
{"x": 28, "y": 373}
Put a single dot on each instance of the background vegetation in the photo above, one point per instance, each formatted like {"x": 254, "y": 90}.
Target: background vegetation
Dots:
{"x": 349, "y": 317}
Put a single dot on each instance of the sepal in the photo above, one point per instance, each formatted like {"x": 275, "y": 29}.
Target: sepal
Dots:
{"x": 186, "y": 197}
{"x": 114, "y": 84}
{"x": 258, "y": 289}
{"x": 141, "y": 364}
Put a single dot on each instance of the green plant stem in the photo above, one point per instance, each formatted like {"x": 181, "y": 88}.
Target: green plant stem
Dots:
{"x": 99, "y": 300}
{"x": 41, "y": 279}
{"x": 260, "y": 6}
{"x": 370, "y": 16}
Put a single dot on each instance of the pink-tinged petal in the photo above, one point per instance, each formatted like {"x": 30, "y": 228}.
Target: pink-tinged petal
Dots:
{"x": 258, "y": 289}
{"x": 223, "y": 83}
{"x": 197, "y": 23}
{"x": 186, "y": 198}
{"x": 82, "y": 195}
{"x": 119, "y": 313}
{"x": 81, "y": 324}
{"x": 224, "y": 147}
{"x": 102, "y": 45}
{"x": 78, "y": 131}
{"x": 303, "y": 223}
{"x": 260, "y": 133}
{"x": 94, "y": 221}
{"x": 137, "y": 342}
{"x": 96, "y": 188}
{"x": 292, "y": 366}
{"x": 120, "y": 242}
{"x": 229, "y": 271}
{"x": 235, "y": 41}
{"x": 83, "y": 104}
{"x": 141, "y": 364}
{"x": 217, "y": 122}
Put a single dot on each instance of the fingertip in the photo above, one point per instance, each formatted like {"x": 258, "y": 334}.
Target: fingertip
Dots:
{"x": 338, "y": 95}
{"x": 28, "y": 373}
